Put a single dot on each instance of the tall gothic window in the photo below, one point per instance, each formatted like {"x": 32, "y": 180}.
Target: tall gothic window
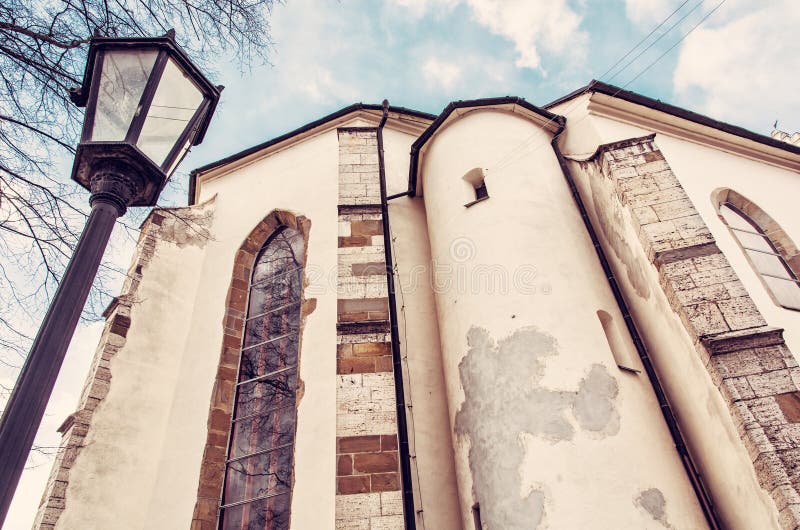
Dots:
{"x": 775, "y": 272}
{"x": 258, "y": 470}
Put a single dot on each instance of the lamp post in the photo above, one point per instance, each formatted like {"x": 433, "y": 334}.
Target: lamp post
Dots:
{"x": 146, "y": 105}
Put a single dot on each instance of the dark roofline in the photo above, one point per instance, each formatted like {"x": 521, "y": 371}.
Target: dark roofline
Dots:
{"x": 638, "y": 99}
{"x": 485, "y": 102}
{"x": 307, "y": 127}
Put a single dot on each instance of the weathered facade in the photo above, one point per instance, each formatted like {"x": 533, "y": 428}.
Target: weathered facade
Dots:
{"x": 576, "y": 316}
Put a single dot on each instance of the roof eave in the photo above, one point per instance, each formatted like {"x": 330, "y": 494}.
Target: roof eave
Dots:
{"x": 557, "y": 121}
{"x": 672, "y": 110}
{"x": 341, "y": 113}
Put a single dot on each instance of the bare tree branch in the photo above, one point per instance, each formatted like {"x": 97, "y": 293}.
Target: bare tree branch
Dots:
{"x": 43, "y": 48}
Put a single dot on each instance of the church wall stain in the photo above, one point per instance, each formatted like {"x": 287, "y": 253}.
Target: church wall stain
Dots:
{"x": 505, "y": 398}
{"x": 653, "y": 502}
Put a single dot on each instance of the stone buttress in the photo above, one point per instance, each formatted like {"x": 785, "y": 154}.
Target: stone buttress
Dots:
{"x": 746, "y": 359}
{"x": 367, "y": 468}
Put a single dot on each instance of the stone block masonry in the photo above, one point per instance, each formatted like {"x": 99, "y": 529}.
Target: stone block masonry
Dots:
{"x": 367, "y": 467}
{"x": 747, "y": 360}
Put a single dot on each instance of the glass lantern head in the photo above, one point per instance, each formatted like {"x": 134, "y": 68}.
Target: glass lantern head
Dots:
{"x": 146, "y": 105}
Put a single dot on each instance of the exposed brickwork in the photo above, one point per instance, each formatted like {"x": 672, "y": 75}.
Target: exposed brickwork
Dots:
{"x": 747, "y": 360}
{"x": 370, "y": 511}
{"x": 361, "y": 309}
{"x": 367, "y": 464}
{"x": 363, "y": 358}
{"x": 222, "y": 398}
{"x": 368, "y": 479}
{"x": 365, "y": 404}
{"x": 158, "y": 227}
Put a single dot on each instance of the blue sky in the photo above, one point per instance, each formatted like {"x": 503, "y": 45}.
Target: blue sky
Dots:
{"x": 423, "y": 54}
{"x": 740, "y": 65}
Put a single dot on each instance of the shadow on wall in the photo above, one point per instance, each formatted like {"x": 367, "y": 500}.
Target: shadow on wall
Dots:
{"x": 610, "y": 216}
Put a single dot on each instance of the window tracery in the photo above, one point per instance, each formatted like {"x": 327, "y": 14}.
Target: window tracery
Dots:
{"x": 260, "y": 459}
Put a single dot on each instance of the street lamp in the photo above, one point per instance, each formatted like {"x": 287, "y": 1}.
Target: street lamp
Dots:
{"x": 146, "y": 105}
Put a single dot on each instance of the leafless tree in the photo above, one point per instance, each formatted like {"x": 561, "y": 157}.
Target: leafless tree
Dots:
{"x": 43, "y": 47}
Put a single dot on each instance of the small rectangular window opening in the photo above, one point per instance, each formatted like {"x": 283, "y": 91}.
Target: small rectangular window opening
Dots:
{"x": 476, "y": 516}
{"x": 476, "y": 180}
{"x": 481, "y": 192}
{"x": 619, "y": 349}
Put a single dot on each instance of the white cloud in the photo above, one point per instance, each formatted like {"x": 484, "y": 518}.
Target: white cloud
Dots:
{"x": 649, "y": 12}
{"x": 440, "y": 73}
{"x": 552, "y": 26}
{"x": 532, "y": 27}
{"x": 320, "y": 86}
{"x": 744, "y": 67}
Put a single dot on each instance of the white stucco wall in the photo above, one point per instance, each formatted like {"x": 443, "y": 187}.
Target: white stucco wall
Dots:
{"x": 519, "y": 408}
{"x": 113, "y": 481}
{"x": 150, "y": 431}
{"x": 152, "y": 426}
{"x": 704, "y": 417}
{"x": 574, "y": 419}
{"x": 429, "y": 437}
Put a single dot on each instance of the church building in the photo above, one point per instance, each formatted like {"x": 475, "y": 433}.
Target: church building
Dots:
{"x": 575, "y": 316}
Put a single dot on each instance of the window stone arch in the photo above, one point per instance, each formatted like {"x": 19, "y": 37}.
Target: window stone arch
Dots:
{"x": 768, "y": 248}
{"x": 213, "y": 465}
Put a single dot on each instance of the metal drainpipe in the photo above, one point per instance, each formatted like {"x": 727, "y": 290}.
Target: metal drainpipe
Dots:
{"x": 666, "y": 410}
{"x": 409, "y": 512}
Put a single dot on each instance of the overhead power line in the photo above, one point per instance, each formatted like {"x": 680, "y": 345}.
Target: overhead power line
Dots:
{"x": 499, "y": 163}
{"x": 673, "y": 46}
{"x": 521, "y": 149}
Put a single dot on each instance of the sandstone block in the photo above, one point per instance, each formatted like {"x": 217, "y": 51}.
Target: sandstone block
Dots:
{"x": 391, "y": 522}
{"x": 375, "y": 462}
{"x": 358, "y": 506}
{"x": 391, "y": 503}
{"x": 358, "y": 444}
{"x": 741, "y": 313}
{"x": 706, "y": 319}
{"x": 352, "y": 484}
{"x": 771, "y": 383}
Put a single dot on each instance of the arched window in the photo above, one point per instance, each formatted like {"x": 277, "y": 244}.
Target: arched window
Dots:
{"x": 763, "y": 253}
{"x": 259, "y": 463}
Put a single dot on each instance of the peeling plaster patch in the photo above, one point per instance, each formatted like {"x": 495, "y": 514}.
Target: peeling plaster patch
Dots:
{"x": 186, "y": 226}
{"x": 654, "y": 503}
{"x": 594, "y": 405}
{"x": 504, "y": 399}
{"x": 609, "y": 215}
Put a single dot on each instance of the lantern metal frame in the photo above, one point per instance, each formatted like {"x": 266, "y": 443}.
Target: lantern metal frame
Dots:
{"x": 91, "y": 155}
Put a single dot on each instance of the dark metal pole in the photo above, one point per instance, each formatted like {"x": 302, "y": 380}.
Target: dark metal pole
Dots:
{"x": 404, "y": 450}
{"x": 111, "y": 192}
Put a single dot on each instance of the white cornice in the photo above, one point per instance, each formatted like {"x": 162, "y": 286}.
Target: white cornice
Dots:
{"x": 664, "y": 123}
{"x": 359, "y": 118}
